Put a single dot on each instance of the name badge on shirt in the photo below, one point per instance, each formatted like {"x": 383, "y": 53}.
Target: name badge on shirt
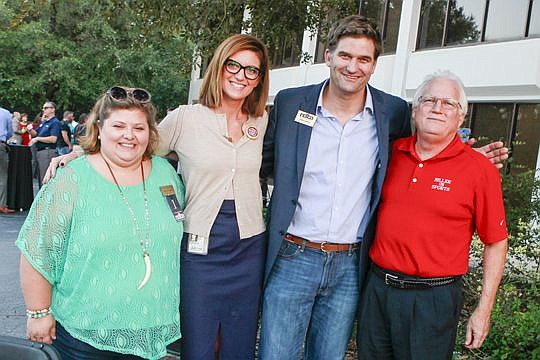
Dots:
{"x": 197, "y": 244}
{"x": 305, "y": 118}
{"x": 168, "y": 193}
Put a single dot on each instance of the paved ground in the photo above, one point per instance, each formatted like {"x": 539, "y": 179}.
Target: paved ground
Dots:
{"x": 12, "y": 309}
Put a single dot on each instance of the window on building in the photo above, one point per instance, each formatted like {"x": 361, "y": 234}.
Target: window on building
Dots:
{"x": 506, "y": 19}
{"x": 432, "y": 20}
{"x": 386, "y": 14}
{"x": 526, "y": 145}
{"x": 515, "y": 124}
{"x": 534, "y": 25}
{"x": 465, "y": 20}
{"x": 491, "y": 122}
{"x": 319, "y": 51}
{"x": 204, "y": 65}
{"x": 392, "y": 27}
{"x": 456, "y": 22}
{"x": 287, "y": 52}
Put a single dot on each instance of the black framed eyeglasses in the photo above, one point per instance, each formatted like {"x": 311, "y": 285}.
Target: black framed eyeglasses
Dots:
{"x": 47, "y": 107}
{"x": 250, "y": 72}
{"x": 120, "y": 93}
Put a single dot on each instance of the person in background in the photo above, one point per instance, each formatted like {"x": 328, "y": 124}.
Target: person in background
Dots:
{"x": 69, "y": 118}
{"x": 16, "y": 138}
{"x": 80, "y": 129}
{"x": 437, "y": 193}
{"x": 37, "y": 120}
{"x": 44, "y": 139}
{"x": 63, "y": 144}
{"x": 23, "y": 129}
{"x": 6, "y": 130}
{"x": 100, "y": 274}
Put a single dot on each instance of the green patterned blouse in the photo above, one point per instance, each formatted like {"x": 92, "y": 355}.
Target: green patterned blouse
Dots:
{"x": 79, "y": 234}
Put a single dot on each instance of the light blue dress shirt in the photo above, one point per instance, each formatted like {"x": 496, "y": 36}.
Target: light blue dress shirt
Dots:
{"x": 6, "y": 127}
{"x": 336, "y": 186}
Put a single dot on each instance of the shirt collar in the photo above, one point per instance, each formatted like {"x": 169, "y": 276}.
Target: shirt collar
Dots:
{"x": 455, "y": 147}
{"x": 325, "y": 113}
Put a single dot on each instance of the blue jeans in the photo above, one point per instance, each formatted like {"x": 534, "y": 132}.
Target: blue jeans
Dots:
{"x": 310, "y": 297}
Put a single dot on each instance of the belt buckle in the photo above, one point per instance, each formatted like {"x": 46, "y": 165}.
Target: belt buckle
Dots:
{"x": 322, "y": 247}
{"x": 386, "y": 276}
{"x": 395, "y": 279}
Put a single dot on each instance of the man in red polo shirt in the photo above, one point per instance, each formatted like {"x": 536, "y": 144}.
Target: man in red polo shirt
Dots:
{"x": 438, "y": 192}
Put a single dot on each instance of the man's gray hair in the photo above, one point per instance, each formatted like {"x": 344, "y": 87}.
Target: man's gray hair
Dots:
{"x": 447, "y": 75}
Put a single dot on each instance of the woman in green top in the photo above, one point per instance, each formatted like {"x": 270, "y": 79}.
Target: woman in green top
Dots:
{"x": 100, "y": 246}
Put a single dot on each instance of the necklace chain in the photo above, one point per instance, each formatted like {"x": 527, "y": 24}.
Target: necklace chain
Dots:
{"x": 144, "y": 242}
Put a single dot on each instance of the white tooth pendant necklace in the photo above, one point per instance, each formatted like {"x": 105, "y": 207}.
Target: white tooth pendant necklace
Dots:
{"x": 144, "y": 242}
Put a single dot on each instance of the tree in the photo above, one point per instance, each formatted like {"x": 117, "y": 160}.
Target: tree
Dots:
{"x": 461, "y": 28}
{"x": 71, "y": 52}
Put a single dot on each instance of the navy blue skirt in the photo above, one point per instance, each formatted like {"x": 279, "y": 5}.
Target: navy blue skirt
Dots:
{"x": 221, "y": 291}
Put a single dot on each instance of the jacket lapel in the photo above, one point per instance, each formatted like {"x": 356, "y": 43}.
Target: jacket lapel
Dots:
{"x": 303, "y": 132}
{"x": 382, "y": 123}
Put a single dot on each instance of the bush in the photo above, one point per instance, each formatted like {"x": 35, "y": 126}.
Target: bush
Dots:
{"x": 514, "y": 321}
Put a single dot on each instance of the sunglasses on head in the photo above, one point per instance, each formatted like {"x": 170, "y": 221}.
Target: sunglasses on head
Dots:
{"x": 120, "y": 93}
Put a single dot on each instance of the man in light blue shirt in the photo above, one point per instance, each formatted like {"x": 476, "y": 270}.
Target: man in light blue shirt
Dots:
{"x": 6, "y": 130}
{"x": 333, "y": 164}
{"x": 327, "y": 146}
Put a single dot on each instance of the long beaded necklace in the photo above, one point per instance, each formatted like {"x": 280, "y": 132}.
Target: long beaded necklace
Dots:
{"x": 144, "y": 242}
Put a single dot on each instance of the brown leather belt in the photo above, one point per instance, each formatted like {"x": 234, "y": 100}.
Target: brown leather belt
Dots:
{"x": 324, "y": 246}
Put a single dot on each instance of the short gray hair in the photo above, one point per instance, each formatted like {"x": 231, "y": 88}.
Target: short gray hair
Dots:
{"x": 447, "y": 75}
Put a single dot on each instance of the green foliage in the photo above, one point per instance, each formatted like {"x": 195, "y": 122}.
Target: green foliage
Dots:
{"x": 71, "y": 52}
{"x": 515, "y": 320}
{"x": 208, "y": 22}
{"x": 522, "y": 203}
{"x": 514, "y": 324}
{"x": 514, "y": 333}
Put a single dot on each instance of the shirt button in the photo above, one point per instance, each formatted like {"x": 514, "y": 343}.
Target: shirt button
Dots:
{"x": 420, "y": 165}
{"x": 414, "y": 180}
